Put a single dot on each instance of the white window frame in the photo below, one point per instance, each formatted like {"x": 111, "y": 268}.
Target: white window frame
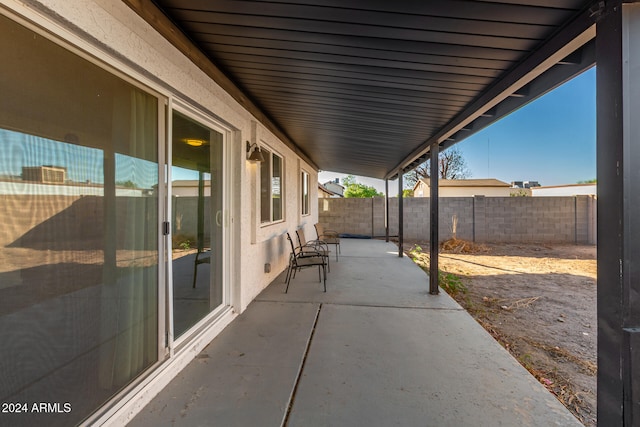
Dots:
{"x": 305, "y": 186}
{"x": 204, "y": 119}
{"x": 271, "y": 154}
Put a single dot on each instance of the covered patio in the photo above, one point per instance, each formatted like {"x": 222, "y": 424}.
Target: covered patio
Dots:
{"x": 377, "y": 88}
{"x": 371, "y": 88}
{"x": 376, "y": 349}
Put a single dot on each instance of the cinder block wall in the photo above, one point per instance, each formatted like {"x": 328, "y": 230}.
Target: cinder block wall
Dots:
{"x": 530, "y": 219}
{"x": 57, "y": 222}
{"x": 480, "y": 219}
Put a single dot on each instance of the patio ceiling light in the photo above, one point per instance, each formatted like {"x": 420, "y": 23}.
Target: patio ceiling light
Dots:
{"x": 194, "y": 142}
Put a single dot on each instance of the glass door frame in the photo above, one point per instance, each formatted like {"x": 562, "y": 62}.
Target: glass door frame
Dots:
{"x": 174, "y": 344}
{"x": 70, "y": 42}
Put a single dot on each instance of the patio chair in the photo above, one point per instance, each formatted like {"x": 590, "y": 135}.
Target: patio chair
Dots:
{"x": 300, "y": 259}
{"x": 313, "y": 246}
{"x": 203, "y": 256}
{"x": 330, "y": 237}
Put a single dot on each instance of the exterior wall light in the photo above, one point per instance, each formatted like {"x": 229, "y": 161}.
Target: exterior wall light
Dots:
{"x": 255, "y": 155}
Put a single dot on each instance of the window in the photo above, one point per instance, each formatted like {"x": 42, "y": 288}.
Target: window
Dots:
{"x": 305, "y": 193}
{"x": 271, "y": 188}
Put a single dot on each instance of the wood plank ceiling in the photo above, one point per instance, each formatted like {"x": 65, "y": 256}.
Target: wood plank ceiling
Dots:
{"x": 362, "y": 86}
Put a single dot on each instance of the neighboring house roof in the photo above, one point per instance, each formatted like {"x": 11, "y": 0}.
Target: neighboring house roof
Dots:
{"x": 335, "y": 187}
{"x": 488, "y": 182}
{"x": 327, "y": 191}
{"x": 334, "y": 183}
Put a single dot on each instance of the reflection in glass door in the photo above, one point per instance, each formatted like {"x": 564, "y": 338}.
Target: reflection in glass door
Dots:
{"x": 78, "y": 231}
{"x": 196, "y": 176}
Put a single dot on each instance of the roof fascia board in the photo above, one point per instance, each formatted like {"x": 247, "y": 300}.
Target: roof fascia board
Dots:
{"x": 148, "y": 11}
{"x": 573, "y": 36}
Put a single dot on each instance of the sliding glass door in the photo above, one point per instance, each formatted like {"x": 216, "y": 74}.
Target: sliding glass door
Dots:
{"x": 197, "y": 215}
{"x": 82, "y": 190}
{"x": 79, "y": 231}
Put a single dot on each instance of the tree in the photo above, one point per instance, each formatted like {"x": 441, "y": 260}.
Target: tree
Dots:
{"x": 355, "y": 189}
{"x": 520, "y": 193}
{"x": 451, "y": 165}
{"x": 127, "y": 184}
{"x": 348, "y": 180}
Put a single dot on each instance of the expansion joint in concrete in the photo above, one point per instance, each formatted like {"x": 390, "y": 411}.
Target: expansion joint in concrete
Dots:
{"x": 287, "y": 411}
{"x": 407, "y": 307}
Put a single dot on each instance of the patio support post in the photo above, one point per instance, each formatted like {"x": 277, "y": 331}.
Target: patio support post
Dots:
{"x": 618, "y": 165}
{"x": 373, "y": 203}
{"x": 433, "y": 225}
{"x": 400, "y": 215}
{"x": 386, "y": 210}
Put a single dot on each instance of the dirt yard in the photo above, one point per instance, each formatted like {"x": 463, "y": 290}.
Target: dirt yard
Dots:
{"x": 539, "y": 302}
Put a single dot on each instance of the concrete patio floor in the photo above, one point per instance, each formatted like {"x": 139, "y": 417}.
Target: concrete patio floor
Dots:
{"x": 374, "y": 350}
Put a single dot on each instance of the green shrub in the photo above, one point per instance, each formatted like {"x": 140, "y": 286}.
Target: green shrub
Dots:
{"x": 451, "y": 283}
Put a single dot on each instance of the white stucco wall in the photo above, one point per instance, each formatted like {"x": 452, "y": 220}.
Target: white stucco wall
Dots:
{"x": 266, "y": 243}
{"x": 422, "y": 190}
{"x": 565, "y": 190}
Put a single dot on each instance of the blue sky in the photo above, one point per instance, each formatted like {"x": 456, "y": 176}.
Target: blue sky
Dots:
{"x": 551, "y": 140}
{"x": 83, "y": 163}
